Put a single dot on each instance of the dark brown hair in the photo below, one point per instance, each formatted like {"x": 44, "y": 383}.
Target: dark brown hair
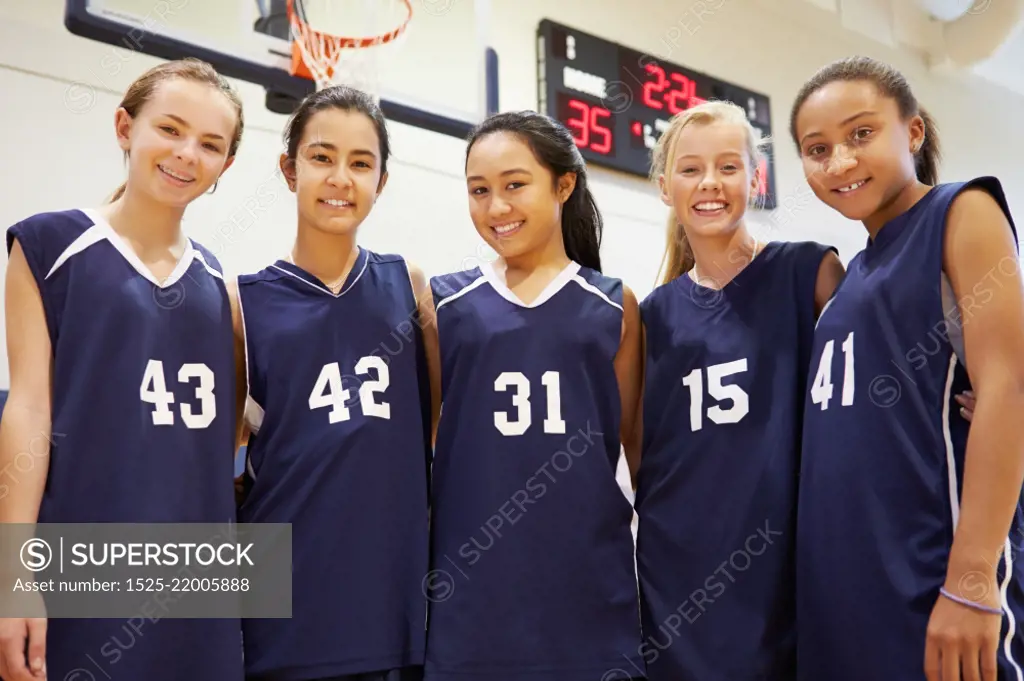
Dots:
{"x": 343, "y": 98}
{"x": 142, "y": 90}
{"x": 890, "y": 83}
{"x": 554, "y": 147}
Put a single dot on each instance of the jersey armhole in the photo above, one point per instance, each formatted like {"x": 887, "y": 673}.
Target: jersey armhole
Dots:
{"x": 950, "y": 306}
{"x": 951, "y": 317}
{"x": 252, "y": 412}
{"x": 29, "y": 250}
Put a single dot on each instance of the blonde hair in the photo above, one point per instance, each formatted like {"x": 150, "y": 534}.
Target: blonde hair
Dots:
{"x": 678, "y": 258}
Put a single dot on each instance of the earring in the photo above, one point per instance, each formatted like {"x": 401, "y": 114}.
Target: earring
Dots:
{"x": 214, "y": 187}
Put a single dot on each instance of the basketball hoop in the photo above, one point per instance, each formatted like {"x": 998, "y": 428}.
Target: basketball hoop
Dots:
{"x": 340, "y": 42}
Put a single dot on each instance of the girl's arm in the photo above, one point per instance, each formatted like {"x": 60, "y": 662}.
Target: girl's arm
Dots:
{"x": 428, "y": 326}
{"x": 980, "y": 259}
{"x": 629, "y": 371}
{"x": 981, "y": 262}
{"x": 25, "y": 429}
{"x": 830, "y": 273}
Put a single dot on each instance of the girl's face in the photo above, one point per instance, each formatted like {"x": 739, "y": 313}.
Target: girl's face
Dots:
{"x": 336, "y": 172}
{"x": 856, "y": 150}
{"x": 514, "y": 201}
{"x": 709, "y": 179}
{"x": 178, "y": 143}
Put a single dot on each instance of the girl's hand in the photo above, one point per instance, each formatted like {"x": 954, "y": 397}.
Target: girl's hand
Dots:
{"x": 966, "y": 401}
{"x": 23, "y": 648}
{"x": 962, "y": 641}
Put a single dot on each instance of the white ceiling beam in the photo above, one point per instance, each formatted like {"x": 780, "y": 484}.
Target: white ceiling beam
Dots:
{"x": 943, "y": 10}
{"x": 979, "y": 34}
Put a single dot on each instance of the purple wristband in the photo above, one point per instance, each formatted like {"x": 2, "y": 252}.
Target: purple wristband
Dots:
{"x": 970, "y": 604}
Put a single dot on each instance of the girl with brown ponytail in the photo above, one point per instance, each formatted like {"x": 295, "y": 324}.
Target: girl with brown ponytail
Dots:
{"x": 909, "y": 525}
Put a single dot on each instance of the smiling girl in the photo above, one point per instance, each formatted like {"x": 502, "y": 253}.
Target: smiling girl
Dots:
{"x": 120, "y": 352}
{"x": 339, "y": 407}
{"x": 909, "y": 528}
{"x": 532, "y": 548}
{"x": 727, "y": 338}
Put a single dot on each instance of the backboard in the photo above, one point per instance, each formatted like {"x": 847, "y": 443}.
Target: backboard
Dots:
{"x": 441, "y": 77}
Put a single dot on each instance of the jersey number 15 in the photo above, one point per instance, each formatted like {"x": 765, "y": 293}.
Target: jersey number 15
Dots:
{"x": 720, "y": 391}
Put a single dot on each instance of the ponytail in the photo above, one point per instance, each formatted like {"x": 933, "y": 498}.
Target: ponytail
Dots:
{"x": 582, "y": 226}
{"x": 678, "y": 258}
{"x": 118, "y": 193}
{"x": 140, "y": 92}
{"x": 926, "y": 160}
{"x": 555, "y": 148}
{"x": 890, "y": 83}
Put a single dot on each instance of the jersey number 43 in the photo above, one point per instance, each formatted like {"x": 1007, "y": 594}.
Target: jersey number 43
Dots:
{"x": 154, "y": 391}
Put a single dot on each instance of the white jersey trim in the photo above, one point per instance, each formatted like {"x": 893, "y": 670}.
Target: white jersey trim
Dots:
{"x": 823, "y": 308}
{"x": 254, "y": 427}
{"x": 320, "y": 287}
{"x": 590, "y": 288}
{"x": 102, "y": 230}
{"x": 1004, "y": 601}
{"x": 477, "y": 283}
{"x": 202, "y": 259}
{"x": 954, "y": 496}
{"x": 553, "y": 287}
{"x": 253, "y": 415}
{"x": 91, "y": 236}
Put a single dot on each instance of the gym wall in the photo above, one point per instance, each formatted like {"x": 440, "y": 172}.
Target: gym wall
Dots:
{"x": 60, "y": 93}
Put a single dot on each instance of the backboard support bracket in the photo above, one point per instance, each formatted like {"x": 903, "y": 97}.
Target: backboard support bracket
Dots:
{"x": 284, "y": 91}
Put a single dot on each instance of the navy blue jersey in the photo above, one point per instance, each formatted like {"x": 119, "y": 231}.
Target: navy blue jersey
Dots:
{"x": 533, "y": 571}
{"x": 716, "y": 493}
{"x": 339, "y": 410}
{"x": 883, "y": 458}
{"x": 143, "y": 424}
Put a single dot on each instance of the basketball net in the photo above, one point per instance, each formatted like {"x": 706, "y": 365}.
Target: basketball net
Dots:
{"x": 344, "y": 42}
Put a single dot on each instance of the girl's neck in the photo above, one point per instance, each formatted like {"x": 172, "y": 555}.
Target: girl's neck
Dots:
{"x": 717, "y": 260}
{"x": 328, "y": 257}
{"x": 550, "y": 257}
{"x": 904, "y": 200}
{"x": 145, "y": 222}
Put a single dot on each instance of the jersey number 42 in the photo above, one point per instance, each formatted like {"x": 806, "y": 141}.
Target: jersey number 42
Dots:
{"x": 329, "y": 390}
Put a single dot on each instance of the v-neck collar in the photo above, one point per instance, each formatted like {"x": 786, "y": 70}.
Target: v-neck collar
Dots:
{"x": 710, "y": 293}
{"x": 892, "y": 229}
{"x": 293, "y": 270}
{"x": 104, "y": 230}
{"x": 553, "y": 287}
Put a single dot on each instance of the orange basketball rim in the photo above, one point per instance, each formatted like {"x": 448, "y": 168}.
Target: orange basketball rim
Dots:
{"x": 326, "y": 49}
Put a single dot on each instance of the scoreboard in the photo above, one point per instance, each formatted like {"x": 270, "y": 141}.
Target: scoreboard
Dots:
{"x": 617, "y": 101}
